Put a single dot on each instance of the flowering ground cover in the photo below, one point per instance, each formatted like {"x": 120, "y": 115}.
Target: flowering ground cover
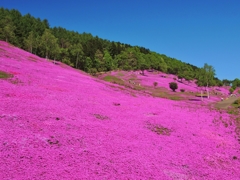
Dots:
{"x": 60, "y": 123}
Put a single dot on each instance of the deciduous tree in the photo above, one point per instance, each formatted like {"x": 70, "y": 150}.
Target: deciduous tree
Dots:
{"x": 77, "y": 52}
{"x": 30, "y": 42}
{"x": 206, "y": 77}
{"x": 48, "y": 43}
{"x": 7, "y": 29}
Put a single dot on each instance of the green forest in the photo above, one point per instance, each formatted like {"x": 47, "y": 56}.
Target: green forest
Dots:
{"x": 93, "y": 54}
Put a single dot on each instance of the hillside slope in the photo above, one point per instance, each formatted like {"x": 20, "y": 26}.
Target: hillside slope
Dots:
{"x": 60, "y": 123}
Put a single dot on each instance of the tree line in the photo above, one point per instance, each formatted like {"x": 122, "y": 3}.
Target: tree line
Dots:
{"x": 91, "y": 53}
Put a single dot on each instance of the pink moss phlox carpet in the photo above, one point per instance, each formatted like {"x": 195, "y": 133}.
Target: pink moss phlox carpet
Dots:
{"x": 59, "y": 123}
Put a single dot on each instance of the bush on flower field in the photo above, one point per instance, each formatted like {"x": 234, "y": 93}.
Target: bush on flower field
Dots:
{"x": 173, "y": 86}
{"x": 155, "y": 84}
{"x": 237, "y": 102}
{"x": 182, "y": 90}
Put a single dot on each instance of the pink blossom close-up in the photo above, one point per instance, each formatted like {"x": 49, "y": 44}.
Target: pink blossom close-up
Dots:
{"x": 57, "y": 122}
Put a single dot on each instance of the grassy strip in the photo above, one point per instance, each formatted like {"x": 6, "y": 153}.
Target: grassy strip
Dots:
{"x": 203, "y": 95}
{"x": 4, "y": 75}
{"x": 113, "y": 79}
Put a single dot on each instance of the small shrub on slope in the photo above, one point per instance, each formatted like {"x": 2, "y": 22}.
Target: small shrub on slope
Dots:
{"x": 231, "y": 90}
{"x": 237, "y": 103}
{"x": 182, "y": 90}
{"x": 155, "y": 84}
{"x": 173, "y": 86}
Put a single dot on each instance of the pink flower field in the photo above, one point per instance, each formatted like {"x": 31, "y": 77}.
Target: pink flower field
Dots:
{"x": 60, "y": 123}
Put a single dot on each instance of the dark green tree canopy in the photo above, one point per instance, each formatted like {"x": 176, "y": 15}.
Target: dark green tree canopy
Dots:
{"x": 173, "y": 86}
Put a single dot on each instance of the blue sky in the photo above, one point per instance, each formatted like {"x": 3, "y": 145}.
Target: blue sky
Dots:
{"x": 193, "y": 31}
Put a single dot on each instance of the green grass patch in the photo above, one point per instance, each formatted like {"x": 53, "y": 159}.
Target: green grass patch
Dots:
{"x": 233, "y": 111}
{"x": 113, "y": 79}
{"x": 236, "y": 103}
{"x": 4, "y": 75}
{"x": 166, "y": 95}
{"x": 201, "y": 95}
{"x": 139, "y": 88}
{"x": 159, "y": 94}
{"x": 175, "y": 98}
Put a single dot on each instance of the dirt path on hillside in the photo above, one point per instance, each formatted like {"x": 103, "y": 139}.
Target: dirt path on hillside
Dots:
{"x": 226, "y": 103}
